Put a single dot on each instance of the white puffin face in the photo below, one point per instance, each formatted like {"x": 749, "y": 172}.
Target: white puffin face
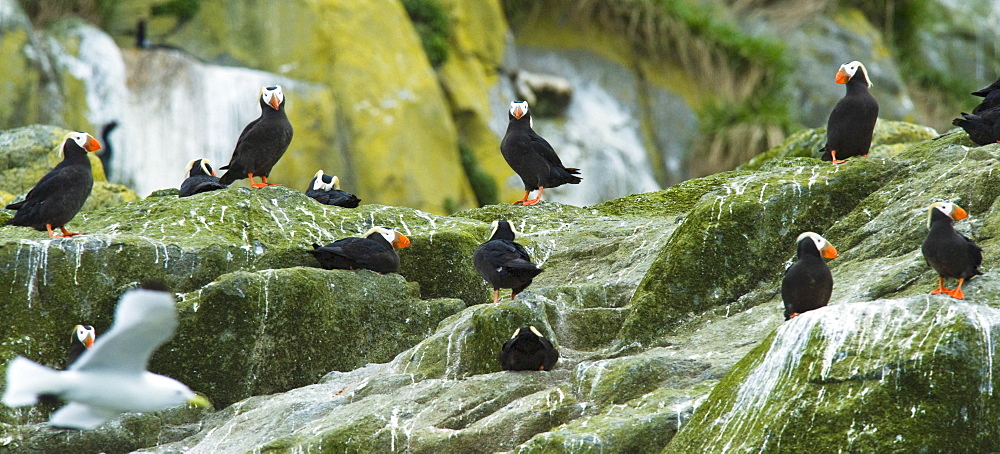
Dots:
{"x": 80, "y": 138}
{"x": 822, "y": 245}
{"x": 852, "y": 68}
{"x": 272, "y": 96}
{"x": 85, "y": 334}
{"x": 518, "y": 109}
{"x": 84, "y": 140}
{"x": 318, "y": 184}
{"x": 951, "y": 210}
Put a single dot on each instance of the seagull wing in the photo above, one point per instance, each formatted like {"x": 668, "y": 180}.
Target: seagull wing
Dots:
{"x": 144, "y": 319}
{"x": 81, "y": 416}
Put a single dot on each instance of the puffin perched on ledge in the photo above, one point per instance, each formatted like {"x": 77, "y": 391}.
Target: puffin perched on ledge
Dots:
{"x": 262, "y": 141}
{"x": 504, "y": 263}
{"x": 60, "y": 194}
{"x": 531, "y": 157}
{"x": 326, "y": 190}
{"x": 528, "y": 350}
{"x": 808, "y": 283}
{"x": 376, "y": 251}
{"x": 80, "y": 341}
{"x": 852, "y": 122}
{"x": 983, "y": 128}
{"x": 200, "y": 178}
{"x": 950, "y": 253}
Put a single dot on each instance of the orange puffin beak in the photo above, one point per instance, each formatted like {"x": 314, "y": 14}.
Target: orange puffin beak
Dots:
{"x": 274, "y": 102}
{"x": 842, "y": 76}
{"x": 958, "y": 213}
{"x": 518, "y": 113}
{"x": 92, "y": 144}
{"x": 830, "y": 252}
{"x": 88, "y": 341}
{"x": 401, "y": 241}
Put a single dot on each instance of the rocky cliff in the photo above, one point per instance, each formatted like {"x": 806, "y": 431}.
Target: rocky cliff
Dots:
{"x": 664, "y": 306}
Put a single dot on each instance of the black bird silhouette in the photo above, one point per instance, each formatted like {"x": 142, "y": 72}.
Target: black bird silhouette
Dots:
{"x": 852, "y": 121}
{"x": 531, "y": 157}
{"x": 991, "y": 93}
{"x": 504, "y": 263}
{"x": 326, "y": 190}
{"x": 528, "y": 350}
{"x": 200, "y": 178}
{"x": 808, "y": 283}
{"x": 950, "y": 253}
{"x": 262, "y": 142}
{"x": 983, "y": 128}
{"x": 60, "y": 194}
{"x": 376, "y": 251}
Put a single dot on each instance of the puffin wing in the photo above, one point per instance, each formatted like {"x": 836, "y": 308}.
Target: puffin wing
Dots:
{"x": 240, "y": 142}
{"x": 551, "y": 354}
{"x": 144, "y": 319}
{"x": 975, "y": 253}
{"x": 542, "y": 147}
{"x": 51, "y": 183}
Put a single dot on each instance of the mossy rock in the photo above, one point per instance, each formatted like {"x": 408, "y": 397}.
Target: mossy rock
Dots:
{"x": 274, "y": 330}
{"x": 732, "y": 239}
{"x": 890, "y": 392}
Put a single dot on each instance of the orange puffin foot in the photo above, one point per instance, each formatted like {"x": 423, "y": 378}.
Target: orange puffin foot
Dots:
{"x": 496, "y": 296}
{"x": 523, "y": 199}
{"x": 65, "y": 233}
{"x": 957, "y": 293}
{"x": 796, "y": 314}
{"x": 941, "y": 288}
{"x": 534, "y": 200}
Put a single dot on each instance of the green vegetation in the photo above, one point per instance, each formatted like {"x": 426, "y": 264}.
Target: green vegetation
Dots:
{"x": 45, "y": 12}
{"x": 431, "y": 21}
{"x": 483, "y": 185}
{"x": 183, "y": 10}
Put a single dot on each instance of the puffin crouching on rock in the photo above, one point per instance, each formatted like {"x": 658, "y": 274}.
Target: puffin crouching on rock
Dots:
{"x": 852, "y": 121}
{"x": 262, "y": 142}
{"x": 950, "y": 253}
{"x": 60, "y": 194}
{"x": 531, "y": 157}
{"x": 200, "y": 178}
{"x": 808, "y": 283}
{"x": 528, "y": 350}
{"x": 983, "y": 128}
{"x": 504, "y": 263}
{"x": 326, "y": 190}
{"x": 376, "y": 251}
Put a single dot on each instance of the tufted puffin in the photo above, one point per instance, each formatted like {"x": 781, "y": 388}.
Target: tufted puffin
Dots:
{"x": 80, "y": 341}
{"x": 200, "y": 178}
{"x": 326, "y": 190}
{"x": 262, "y": 141}
{"x": 950, "y": 253}
{"x": 376, "y": 251}
{"x": 531, "y": 157}
{"x": 849, "y": 129}
{"x": 504, "y": 263}
{"x": 60, "y": 194}
{"x": 528, "y": 350}
{"x": 991, "y": 95}
{"x": 983, "y": 128}
{"x": 808, "y": 283}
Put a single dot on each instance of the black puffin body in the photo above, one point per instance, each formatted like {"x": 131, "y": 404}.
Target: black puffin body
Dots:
{"x": 950, "y": 253}
{"x": 376, "y": 251}
{"x": 531, "y": 157}
{"x": 528, "y": 350}
{"x": 326, "y": 190}
{"x": 60, "y": 194}
{"x": 983, "y": 128}
{"x": 991, "y": 95}
{"x": 80, "y": 341}
{"x": 852, "y": 122}
{"x": 504, "y": 263}
{"x": 808, "y": 283}
{"x": 262, "y": 141}
{"x": 200, "y": 178}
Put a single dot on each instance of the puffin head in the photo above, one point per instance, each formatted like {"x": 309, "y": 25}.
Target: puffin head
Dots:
{"x": 518, "y": 109}
{"x": 84, "y": 334}
{"x": 272, "y": 96}
{"x": 79, "y": 139}
{"x": 824, "y": 247}
{"x": 848, "y": 70}
{"x": 503, "y": 230}
{"x": 396, "y": 239}
{"x": 199, "y": 167}
{"x": 324, "y": 182}
{"x": 529, "y": 332}
{"x": 949, "y": 209}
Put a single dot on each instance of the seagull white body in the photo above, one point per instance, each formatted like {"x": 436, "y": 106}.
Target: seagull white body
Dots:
{"x": 110, "y": 378}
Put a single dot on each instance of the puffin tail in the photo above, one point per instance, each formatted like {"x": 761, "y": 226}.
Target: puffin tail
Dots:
{"x": 826, "y": 156}
{"x": 571, "y": 175}
{"x": 27, "y": 379}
